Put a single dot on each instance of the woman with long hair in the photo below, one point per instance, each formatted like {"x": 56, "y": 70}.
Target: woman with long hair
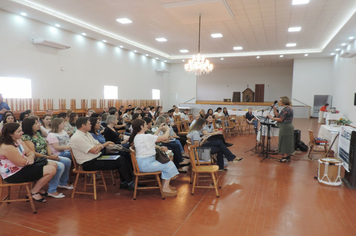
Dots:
{"x": 16, "y": 161}
{"x": 37, "y": 144}
{"x": 58, "y": 139}
{"x": 146, "y": 154}
{"x": 46, "y": 122}
{"x": 216, "y": 145}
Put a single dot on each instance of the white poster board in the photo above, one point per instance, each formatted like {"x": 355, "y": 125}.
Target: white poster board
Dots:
{"x": 344, "y": 145}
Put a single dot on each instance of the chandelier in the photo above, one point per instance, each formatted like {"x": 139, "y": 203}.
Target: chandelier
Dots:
{"x": 198, "y": 65}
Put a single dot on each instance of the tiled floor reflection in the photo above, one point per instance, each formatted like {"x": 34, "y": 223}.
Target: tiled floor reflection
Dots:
{"x": 268, "y": 198}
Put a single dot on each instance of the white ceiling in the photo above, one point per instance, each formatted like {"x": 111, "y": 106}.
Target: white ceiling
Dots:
{"x": 259, "y": 26}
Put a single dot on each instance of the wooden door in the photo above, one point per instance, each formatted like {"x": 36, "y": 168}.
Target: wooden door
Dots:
{"x": 259, "y": 93}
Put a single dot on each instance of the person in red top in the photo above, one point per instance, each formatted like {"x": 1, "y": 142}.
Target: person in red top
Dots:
{"x": 321, "y": 113}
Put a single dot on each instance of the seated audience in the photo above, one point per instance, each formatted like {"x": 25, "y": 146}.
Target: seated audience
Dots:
{"x": 49, "y": 112}
{"x": 147, "y": 112}
{"x": 86, "y": 151}
{"x": 8, "y": 118}
{"x": 176, "y": 112}
{"x": 103, "y": 119}
{"x": 36, "y": 143}
{"x": 89, "y": 113}
{"x": 16, "y": 162}
{"x": 216, "y": 145}
{"x": 185, "y": 115}
{"x": 251, "y": 119}
{"x": 208, "y": 129}
{"x": 202, "y": 113}
{"x": 210, "y": 112}
{"x": 110, "y": 132}
{"x": 41, "y": 129}
{"x": 146, "y": 154}
{"x": 157, "y": 113}
{"x": 58, "y": 139}
{"x": 72, "y": 119}
{"x": 46, "y": 122}
{"x": 171, "y": 143}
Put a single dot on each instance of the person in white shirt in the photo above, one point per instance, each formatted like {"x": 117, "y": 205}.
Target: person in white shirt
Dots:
{"x": 86, "y": 151}
{"x": 176, "y": 112}
{"x": 146, "y": 154}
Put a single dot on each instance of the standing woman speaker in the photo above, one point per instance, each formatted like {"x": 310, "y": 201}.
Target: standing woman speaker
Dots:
{"x": 286, "y": 128}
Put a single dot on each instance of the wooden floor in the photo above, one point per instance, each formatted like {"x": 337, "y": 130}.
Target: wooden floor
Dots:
{"x": 257, "y": 198}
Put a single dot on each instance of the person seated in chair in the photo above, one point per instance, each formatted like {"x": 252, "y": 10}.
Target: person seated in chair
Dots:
{"x": 208, "y": 129}
{"x": 86, "y": 151}
{"x": 251, "y": 119}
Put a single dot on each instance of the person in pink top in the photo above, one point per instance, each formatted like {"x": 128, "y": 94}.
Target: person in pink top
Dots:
{"x": 16, "y": 161}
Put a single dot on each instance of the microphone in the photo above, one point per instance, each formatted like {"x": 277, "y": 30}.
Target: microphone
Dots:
{"x": 275, "y": 104}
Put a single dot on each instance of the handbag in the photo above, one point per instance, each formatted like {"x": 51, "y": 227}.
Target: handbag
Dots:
{"x": 115, "y": 149}
{"x": 204, "y": 153}
{"x": 40, "y": 161}
{"x": 161, "y": 156}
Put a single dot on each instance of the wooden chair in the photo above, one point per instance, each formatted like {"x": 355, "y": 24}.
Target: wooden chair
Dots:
{"x": 229, "y": 127}
{"x": 197, "y": 162}
{"x": 199, "y": 169}
{"x": 137, "y": 174}
{"x": 313, "y": 145}
{"x": 7, "y": 199}
{"x": 78, "y": 170}
{"x": 181, "y": 128}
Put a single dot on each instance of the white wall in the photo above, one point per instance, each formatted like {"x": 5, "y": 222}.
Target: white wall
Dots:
{"x": 88, "y": 64}
{"x": 344, "y": 86}
{"x": 311, "y": 77}
{"x": 221, "y": 83}
{"x": 182, "y": 85}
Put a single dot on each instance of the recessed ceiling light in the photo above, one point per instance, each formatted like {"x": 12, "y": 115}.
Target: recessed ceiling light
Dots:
{"x": 146, "y": 55}
{"x": 237, "y": 48}
{"x": 84, "y": 34}
{"x": 135, "y": 51}
{"x": 183, "y": 60}
{"x": 332, "y": 54}
{"x": 281, "y": 56}
{"x": 222, "y": 58}
{"x": 289, "y": 45}
{"x": 306, "y": 55}
{"x": 343, "y": 44}
{"x": 258, "y": 57}
{"x": 294, "y": 29}
{"x": 23, "y": 14}
{"x": 57, "y": 25}
{"x": 121, "y": 46}
{"x": 338, "y": 49}
{"x": 217, "y": 35}
{"x": 351, "y": 37}
{"x": 161, "y": 39}
{"x": 124, "y": 21}
{"x": 156, "y": 58}
{"x": 165, "y": 61}
{"x": 104, "y": 41}
{"x": 299, "y": 2}
{"x": 184, "y": 51}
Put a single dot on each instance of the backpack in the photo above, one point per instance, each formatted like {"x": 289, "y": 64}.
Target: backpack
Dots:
{"x": 302, "y": 146}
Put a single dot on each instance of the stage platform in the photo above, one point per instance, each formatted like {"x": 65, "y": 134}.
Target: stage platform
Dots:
{"x": 299, "y": 110}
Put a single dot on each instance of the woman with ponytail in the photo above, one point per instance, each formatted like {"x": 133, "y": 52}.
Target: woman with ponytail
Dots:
{"x": 146, "y": 153}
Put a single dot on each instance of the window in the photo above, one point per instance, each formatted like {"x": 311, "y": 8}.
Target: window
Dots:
{"x": 15, "y": 87}
{"x": 110, "y": 92}
{"x": 156, "y": 94}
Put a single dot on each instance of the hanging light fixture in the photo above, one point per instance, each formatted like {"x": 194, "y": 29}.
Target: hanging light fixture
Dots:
{"x": 198, "y": 65}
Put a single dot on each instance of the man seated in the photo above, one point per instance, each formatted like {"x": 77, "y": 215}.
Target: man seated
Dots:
{"x": 185, "y": 115}
{"x": 86, "y": 151}
{"x": 251, "y": 119}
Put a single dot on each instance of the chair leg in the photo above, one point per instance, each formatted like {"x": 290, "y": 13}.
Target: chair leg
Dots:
{"x": 217, "y": 179}
{"x": 310, "y": 150}
{"x": 215, "y": 184}
{"x": 135, "y": 190}
{"x": 85, "y": 182}
{"x": 75, "y": 185}
{"x": 19, "y": 191}
{"x": 8, "y": 193}
{"x": 104, "y": 183}
{"x": 160, "y": 186}
{"x": 31, "y": 200}
{"x": 94, "y": 184}
{"x": 191, "y": 174}
{"x": 0, "y": 195}
{"x": 194, "y": 182}
{"x": 112, "y": 177}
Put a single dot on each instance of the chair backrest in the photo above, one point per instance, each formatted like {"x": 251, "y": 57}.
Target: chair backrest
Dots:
{"x": 193, "y": 155}
{"x": 133, "y": 160}
{"x": 177, "y": 118}
{"x": 179, "y": 126}
{"x": 311, "y": 137}
{"x": 74, "y": 160}
{"x": 185, "y": 125}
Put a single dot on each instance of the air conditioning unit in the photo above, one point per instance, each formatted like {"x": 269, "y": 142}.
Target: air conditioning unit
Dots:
{"x": 348, "y": 54}
{"x": 162, "y": 71}
{"x": 49, "y": 43}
